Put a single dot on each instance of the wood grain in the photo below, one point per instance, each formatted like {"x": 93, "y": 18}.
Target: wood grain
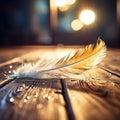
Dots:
{"x": 28, "y": 99}
{"x": 95, "y": 95}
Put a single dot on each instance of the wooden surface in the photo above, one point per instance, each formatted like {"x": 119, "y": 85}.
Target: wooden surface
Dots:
{"x": 94, "y": 96}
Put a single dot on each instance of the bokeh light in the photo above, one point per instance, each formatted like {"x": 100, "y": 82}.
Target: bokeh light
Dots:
{"x": 87, "y": 16}
{"x": 64, "y": 8}
{"x": 76, "y": 25}
{"x": 70, "y": 2}
{"x": 60, "y": 3}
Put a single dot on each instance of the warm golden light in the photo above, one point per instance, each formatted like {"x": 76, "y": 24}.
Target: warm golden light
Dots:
{"x": 70, "y": 2}
{"x": 87, "y": 16}
{"x": 76, "y": 25}
{"x": 60, "y": 3}
{"x": 64, "y": 8}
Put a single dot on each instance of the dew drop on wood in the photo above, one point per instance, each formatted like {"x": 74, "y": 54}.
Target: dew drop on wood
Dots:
{"x": 12, "y": 100}
{"x": 28, "y": 97}
{"x": 10, "y": 66}
{"x": 23, "y": 85}
{"x": 73, "y": 97}
{"x": 20, "y": 89}
{"x": 9, "y": 71}
{"x": 25, "y": 100}
{"x": 49, "y": 97}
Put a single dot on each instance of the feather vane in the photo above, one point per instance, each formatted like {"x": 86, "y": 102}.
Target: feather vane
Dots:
{"x": 91, "y": 56}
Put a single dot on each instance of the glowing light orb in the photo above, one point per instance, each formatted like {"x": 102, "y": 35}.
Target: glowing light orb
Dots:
{"x": 70, "y": 2}
{"x": 87, "y": 17}
{"x": 60, "y": 3}
{"x": 64, "y": 8}
{"x": 76, "y": 25}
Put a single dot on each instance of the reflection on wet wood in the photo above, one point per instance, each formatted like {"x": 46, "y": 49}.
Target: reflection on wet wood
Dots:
{"x": 95, "y": 96}
{"x": 32, "y": 99}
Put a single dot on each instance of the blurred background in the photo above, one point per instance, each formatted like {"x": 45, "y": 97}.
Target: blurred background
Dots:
{"x": 56, "y": 22}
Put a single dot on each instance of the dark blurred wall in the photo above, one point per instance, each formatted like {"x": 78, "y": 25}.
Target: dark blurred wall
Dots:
{"x": 24, "y": 22}
{"x": 105, "y": 25}
{"x": 13, "y": 21}
{"x": 21, "y": 24}
{"x": 118, "y": 20}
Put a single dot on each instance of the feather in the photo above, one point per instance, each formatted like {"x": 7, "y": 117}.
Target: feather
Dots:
{"x": 91, "y": 56}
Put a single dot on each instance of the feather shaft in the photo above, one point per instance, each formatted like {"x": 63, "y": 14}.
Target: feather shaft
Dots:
{"x": 91, "y": 56}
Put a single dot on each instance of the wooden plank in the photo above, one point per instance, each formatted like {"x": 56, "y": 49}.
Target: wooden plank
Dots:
{"x": 28, "y": 99}
{"x": 5, "y": 71}
{"x": 112, "y": 60}
{"x": 96, "y": 97}
{"x": 96, "y": 94}
{"x": 21, "y": 104}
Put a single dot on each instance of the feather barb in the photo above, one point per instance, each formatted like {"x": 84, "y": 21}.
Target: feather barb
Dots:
{"x": 92, "y": 55}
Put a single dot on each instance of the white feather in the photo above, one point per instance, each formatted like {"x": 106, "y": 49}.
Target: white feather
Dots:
{"x": 90, "y": 56}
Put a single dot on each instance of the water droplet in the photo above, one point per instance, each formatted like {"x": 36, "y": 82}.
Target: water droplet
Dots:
{"x": 20, "y": 89}
{"x": 32, "y": 86}
{"x": 49, "y": 97}
{"x": 73, "y": 97}
{"x": 10, "y": 66}
{"x": 9, "y": 71}
{"x": 25, "y": 100}
{"x": 23, "y": 85}
{"x": 28, "y": 97}
{"x": 11, "y": 99}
